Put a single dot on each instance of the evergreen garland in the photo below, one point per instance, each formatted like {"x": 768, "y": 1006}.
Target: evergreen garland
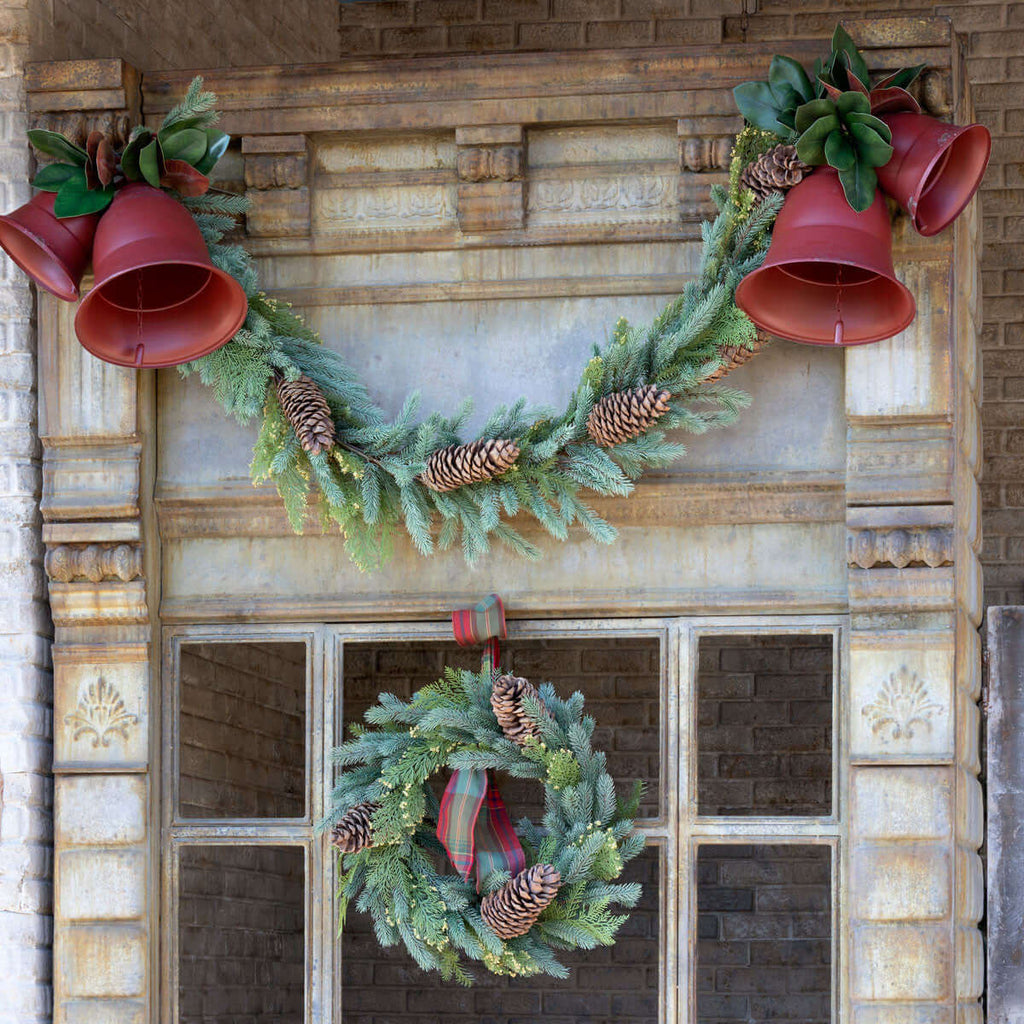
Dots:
{"x": 587, "y": 833}
{"x": 369, "y": 483}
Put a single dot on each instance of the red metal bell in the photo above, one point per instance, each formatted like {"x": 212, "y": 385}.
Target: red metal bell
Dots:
{"x": 157, "y": 300}
{"x": 935, "y": 168}
{"x": 53, "y": 251}
{"x": 828, "y": 277}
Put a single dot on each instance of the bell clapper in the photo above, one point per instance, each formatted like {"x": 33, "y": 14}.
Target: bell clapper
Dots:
{"x": 838, "y": 337}
{"x": 140, "y": 347}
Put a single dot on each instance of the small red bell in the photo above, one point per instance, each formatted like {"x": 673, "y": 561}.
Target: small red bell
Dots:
{"x": 157, "y": 300}
{"x": 53, "y": 251}
{"x": 828, "y": 277}
{"x": 935, "y": 168}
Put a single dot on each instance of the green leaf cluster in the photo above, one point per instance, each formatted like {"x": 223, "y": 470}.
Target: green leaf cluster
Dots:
{"x": 178, "y": 156}
{"x": 587, "y": 832}
{"x": 843, "y": 133}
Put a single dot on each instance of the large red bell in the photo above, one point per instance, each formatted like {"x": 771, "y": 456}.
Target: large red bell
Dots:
{"x": 935, "y": 168}
{"x": 53, "y": 252}
{"x": 157, "y": 300}
{"x": 828, "y": 277}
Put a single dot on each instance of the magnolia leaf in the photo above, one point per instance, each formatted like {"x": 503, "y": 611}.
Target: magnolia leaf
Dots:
{"x": 843, "y": 44}
{"x": 856, "y": 85}
{"x": 893, "y": 100}
{"x": 785, "y": 70}
{"x": 757, "y": 104}
{"x": 807, "y": 114}
{"x": 832, "y": 91}
{"x": 810, "y": 146}
{"x": 859, "y": 185}
{"x": 75, "y": 198}
{"x": 51, "y": 177}
{"x": 874, "y": 123}
{"x": 872, "y": 149}
{"x": 130, "y": 157}
{"x": 106, "y": 163}
{"x": 216, "y": 146}
{"x": 839, "y": 153}
{"x": 151, "y": 163}
{"x": 786, "y": 97}
{"x": 853, "y": 103}
{"x": 188, "y": 144}
{"x": 54, "y": 144}
{"x": 184, "y": 178}
{"x": 902, "y": 78}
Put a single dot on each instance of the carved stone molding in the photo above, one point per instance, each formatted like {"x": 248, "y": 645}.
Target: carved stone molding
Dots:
{"x": 902, "y": 705}
{"x": 900, "y": 548}
{"x": 68, "y": 563}
{"x": 490, "y": 163}
{"x": 277, "y": 183}
{"x": 101, "y": 714}
{"x": 699, "y": 154}
{"x": 76, "y": 97}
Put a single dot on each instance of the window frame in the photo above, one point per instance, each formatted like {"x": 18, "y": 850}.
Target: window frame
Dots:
{"x": 677, "y": 830}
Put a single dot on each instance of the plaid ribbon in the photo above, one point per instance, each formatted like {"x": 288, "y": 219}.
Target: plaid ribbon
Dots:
{"x": 488, "y": 838}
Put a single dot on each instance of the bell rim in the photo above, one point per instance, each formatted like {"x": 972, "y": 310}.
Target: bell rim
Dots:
{"x": 826, "y": 343}
{"x": 69, "y": 294}
{"x": 926, "y": 231}
{"x": 161, "y": 364}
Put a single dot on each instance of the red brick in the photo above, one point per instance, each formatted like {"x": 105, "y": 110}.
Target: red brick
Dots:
{"x": 355, "y": 39}
{"x": 582, "y": 10}
{"x": 446, "y": 12}
{"x": 619, "y": 33}
{"x": 516, "y": 10}
{"x": 689, "y": 32}
{"x": 377, "y": 14}
{"x": 413, "y": 39}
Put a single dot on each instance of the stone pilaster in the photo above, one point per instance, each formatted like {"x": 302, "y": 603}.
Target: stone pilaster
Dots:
{"x": 99, "y": 553}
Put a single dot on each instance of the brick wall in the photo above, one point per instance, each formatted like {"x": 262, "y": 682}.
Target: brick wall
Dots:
{"x": 764, "y": 942}
{"x": 480, "y": 26}
{"x": 154, "y": 34}
{"x": 241, "y": 922}
{"x": 243, "y": 730}
{"x": 26, "y": 790}
{"x": 621, "y": 682}
{"x": 765, "y": 725}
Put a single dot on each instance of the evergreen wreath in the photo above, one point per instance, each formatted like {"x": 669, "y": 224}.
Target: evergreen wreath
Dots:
{"x": 384, "y": 822}
{"x": 374, "y": 477}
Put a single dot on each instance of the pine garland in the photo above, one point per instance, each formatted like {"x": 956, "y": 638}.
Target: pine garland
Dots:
{"x": 586, "y": 836}
{"x": 370, "y": 485}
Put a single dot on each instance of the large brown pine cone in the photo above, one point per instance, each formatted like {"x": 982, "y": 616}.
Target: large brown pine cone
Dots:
{"x": 306, "y": 409}
{"x": 514, "y": 908}
{"x": 354, "y": 830}
{"x": 778, "y": 170}
{"x": 507, "y": 696}
{"x": 734, "y": 356}
{"x": 461, "y": 464}
{"x": 623, "y": 415}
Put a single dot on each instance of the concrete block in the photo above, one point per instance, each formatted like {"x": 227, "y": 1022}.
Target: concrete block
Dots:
{"x": 900, "y": 962}
{"x": 104, "y": 885}
{"x": 906, "y": 802}
{"x": 100, "y": 809}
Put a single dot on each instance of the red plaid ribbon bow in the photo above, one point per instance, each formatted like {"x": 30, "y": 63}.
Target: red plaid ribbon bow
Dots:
{"x": 486, "y": 839}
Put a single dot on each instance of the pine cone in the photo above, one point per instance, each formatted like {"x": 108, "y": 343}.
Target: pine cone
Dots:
{"x": 461, "y": 464}
{"x": 778, "y": 170}
{"x": 734, "y": 356}
{"x": 507, "y": 696}
{"x": 512, "y": 910}
{"x": 307, "y": 411}
{"x": 354, "y": 831}
{"x": 623, "y": 415}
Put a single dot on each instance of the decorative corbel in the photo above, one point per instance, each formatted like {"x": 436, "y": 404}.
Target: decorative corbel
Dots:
{"x": 277, "y": 183}
{"x": 491, "y": 165}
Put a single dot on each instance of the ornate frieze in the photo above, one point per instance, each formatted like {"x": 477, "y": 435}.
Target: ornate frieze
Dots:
{"x": 67, "y": 563}
{"x": 899, "y": 548}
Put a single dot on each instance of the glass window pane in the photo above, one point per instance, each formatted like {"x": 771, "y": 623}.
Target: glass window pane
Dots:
{"x": 609, "y": 985}
{"x": 764, "y": 943}
{"x": 764, "y": 725}
{"x": 241, "y": 935}
{"x": 620, "y": 677}
{"x": 242, "y": 730}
